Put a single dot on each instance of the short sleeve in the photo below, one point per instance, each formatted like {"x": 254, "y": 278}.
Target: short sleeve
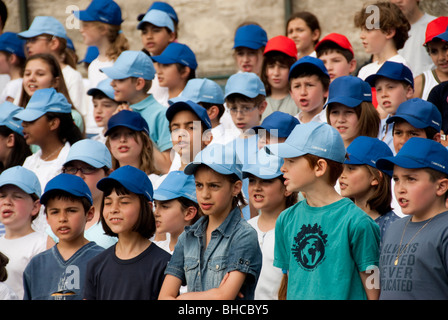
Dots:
{"x": 175, "y": 266}
{"x": 365, "y": 242}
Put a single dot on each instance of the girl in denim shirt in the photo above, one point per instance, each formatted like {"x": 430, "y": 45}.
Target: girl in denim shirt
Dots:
{"x": 219, "y": 256}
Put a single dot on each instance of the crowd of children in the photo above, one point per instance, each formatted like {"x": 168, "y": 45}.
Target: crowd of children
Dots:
{"x": 305, "y": 177}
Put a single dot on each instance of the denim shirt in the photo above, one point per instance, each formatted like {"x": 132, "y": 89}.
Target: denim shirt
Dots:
{"x": 233, "y": 246}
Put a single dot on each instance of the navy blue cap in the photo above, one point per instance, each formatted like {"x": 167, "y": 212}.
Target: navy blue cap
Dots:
{"x": 69, "y": 183}
{"x": 131, "y": 178}
{"x": 177, "y": 53}
{"x": 12, "y": 43}
{"x": 129, "y": 119}
{"x": 279, "y": 124}
{"x": 419, "y": 113}
{"x": 92, "y": 53}
{"x": 367, "y": 150}
{"x": 308, "y": 63}
{"x": 201, "y": 112}
{"x": 418, "y": 153}
{"x": 349, "y": 91}
{"x": 392, "y": 70}
{"x": 250, "y": 36}
{"x": 106, "y": 11}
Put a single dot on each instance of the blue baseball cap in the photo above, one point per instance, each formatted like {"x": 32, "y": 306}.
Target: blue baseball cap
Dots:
{"x": 319, "y": 139}
{"x": 9, "y": 110}
{"x": 103, "y": 87}
{"x": 349, "y": 91}
{"x": 158, "y": 18}
{"x": 201, "y": 112}
{"x": 162, "y": 6}
{"x": 92, "y": 53}
{"x": 69, "y": 183}
{"x": 279, "y": 124}
{"x": 392, "y": 70}
{"x": 419, "y": 113}
{"x": 266, "y": 167}
{"x": 246, "y": 83}
{"x": 129, "y": 119}
{"x": 131, "y": 178}
{"x": 250, "y": 36}
{"x": 367, "y": 150}
{"x": 100, "y": 10}
{"x": 90, "y": 151}
{"x": 418, "y": 153}
{"x": 70, "y": 44}
{"x": 175, "y": 185}
{"x": 220, "y": 158}
{"x": 201, "y": 90}
{"x": 177, "y": 53}
{"x": 12, "y": 43}
{"x": 23, "y": 178}
{"x": 44, "y": 25}
{"x": 135, "y": 64}
{"x": 308, "y": 63}
{"x": 43, "y": 101}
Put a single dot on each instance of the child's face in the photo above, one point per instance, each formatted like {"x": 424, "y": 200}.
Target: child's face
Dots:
{"x": 337, "y": 65}
{"x": 169, "y": 216}
{"x": 186, "y": 134}
{"x": 169, "y": 76}
{"x": 16, "y": 208}
{"x": 215, "y": 193}
{"x": 374, "y": 40}
{"x": 408, "y": 7}
{"x": 414, "y": 191}
{"x": 121, "y": 212}
{"x": 156, "y": 39}
{"x": 277, "y": 76}
{"x": 125, "y": 146}
{"x": 5, "y": 65}
{"x": 249, "y": 60}
{"x": 345, "y": 120}
{"x": 438, "y": 51}
{"x": 297, "y": 173}
{"x": 403, "y": 131}
{"x": 37, "y": 75}
{"x": 308, "y": 93}
{"x": 124, "y": 89}
{"x": 356, "y": 182}
{"x": 267, "y": 194}
{"x": 103, "y": 109}
{"x": 67, "y": 218}
{"x": 37, "y": 131}
{"x": 266, "y": 138}
{"x": 390, "y": 94}
{"x": 38, "y": 44}
{"x": 246, "y": 115}
{"x": 91, "y": 33}
{"x": 302, "y": 35}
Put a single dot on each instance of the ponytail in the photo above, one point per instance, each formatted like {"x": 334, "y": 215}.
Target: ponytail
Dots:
{"x": 118, "y": 42}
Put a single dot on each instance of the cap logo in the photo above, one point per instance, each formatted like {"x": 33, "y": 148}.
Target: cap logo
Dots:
{"x": 319, "y": 148}
{"x": 435, "y": 122}
{"x": 438, "y": 164}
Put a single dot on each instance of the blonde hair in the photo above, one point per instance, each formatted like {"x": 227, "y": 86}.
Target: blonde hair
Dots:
{"x": 118, "y": 41}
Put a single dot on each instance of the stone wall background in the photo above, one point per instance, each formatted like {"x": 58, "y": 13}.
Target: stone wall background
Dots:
{"x": 208, "y": 26}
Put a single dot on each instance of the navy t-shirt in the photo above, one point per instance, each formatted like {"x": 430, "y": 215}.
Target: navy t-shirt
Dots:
{"x": 139, "y": 278}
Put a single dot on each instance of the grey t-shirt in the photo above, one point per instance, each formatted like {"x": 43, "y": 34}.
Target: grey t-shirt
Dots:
{"x": 422, "y": 269}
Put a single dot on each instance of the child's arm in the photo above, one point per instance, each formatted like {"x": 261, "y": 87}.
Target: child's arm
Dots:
{"x": 372, "y": 293}
{"x": 170, "y": 288}
{"x": 418, "y": 86}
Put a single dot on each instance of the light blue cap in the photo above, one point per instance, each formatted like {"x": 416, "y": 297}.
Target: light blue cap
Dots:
{"x": 103, "y": 87}
{"x": 43, "y": 101}
{"x": 44, "y": 25}
{"x": 69, "y": 183}
{"x": 131, "y": 178}
{"x": 266, "y": 167}
{"x": 201, "y": 90}
{"x": 23, "y": 178}
{"x": 158, "y": 18}
{"x": 319, "y": 139}
{"x": 8, "y": 111}
{"x": 135, "y": 64}
{"x": 175, "y": 185}
{"x": 246, "y": 83}
{"x": 220, "y": 158}
{"x": 90, "y": 151}
{"x": 12, "y": 43}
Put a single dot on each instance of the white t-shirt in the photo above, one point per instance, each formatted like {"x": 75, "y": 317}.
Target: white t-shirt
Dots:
{"x": 75, "y": 86}
{"x": 20, "y": 251}
{"x": 372, "y": 68}
{"x": 320, "y": 117}
{"x": 160, "y": 93}
{"x": 12, "y": 89}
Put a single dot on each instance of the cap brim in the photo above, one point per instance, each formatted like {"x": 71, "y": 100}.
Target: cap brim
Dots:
{"x": 29, "y": 115}
{"x": 89, "y": 160}
{"x": 412, "y": 120}
{"x": 346, "y": 101}
{"x": 28, "y": 34}
{"x": 83, "y": 15}
{"x": 191, "y": 168}
{"x": 388, "y": 163}
{"x": 163, "y": 60}
{"x": 261, "y": 172}
{"x": 114, "y": 74}
{"x": 164, "y": 195}
{"x": 17, "y": 183}
{"x": 248, "y": 44}
{"x": 284, "y": 150}
{"x": 103, "y": 183}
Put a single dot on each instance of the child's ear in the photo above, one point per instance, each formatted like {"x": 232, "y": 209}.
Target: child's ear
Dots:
{"x": 409, "y": 92}
{"x": 207, "y": 137}
{"x": 185, "y": 72}
{"x": 140, "y": 84}
{"x": 190, "y": 213}
{"x": 390, "y": 33}
{"x": 213, "y": 112}
{"x": 10, "y": 141}
{"x": 321, "y": 168}
{"x": 352, "y": 65}
{"x": 56, "y": 83}
{"x": 36, "y": 208}
{"x": 237, "y": 188}
{"x": 442, "y": 187}
{"x": 90, "y": 214}
{"x": 262, "y": 107}
{"x": 54, "y": 123}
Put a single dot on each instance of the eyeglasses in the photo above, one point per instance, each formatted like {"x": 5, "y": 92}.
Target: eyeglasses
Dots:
{"x": 243, "y": 110}
{"x": 74, "y": 170}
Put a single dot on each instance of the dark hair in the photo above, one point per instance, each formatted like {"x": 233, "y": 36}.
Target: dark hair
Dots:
{"x": 20, "y": 61}
{"x": 308, "y": 72}
{"x": 3, "y": 272}
{"x": 64, "y": 195}
{"x": 271, "y": 58}
{"x": 382, "y": 196}
{"x": 181, "y": 68}
{"x": 310, "y": 19}
{"x": 145, "y": 225}
{"x": 68, "y": 131}
{"x": 19, "y": 152}
{"x": 329, "y": 47}
{"x": 429, "y": 131}
{"x": 208, "y": 105}
{"x": 3, "y": 13}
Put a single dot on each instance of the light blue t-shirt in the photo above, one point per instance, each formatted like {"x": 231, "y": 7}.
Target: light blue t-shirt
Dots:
{"x": 324, "y": 249}
{"x": 155, "y": 115}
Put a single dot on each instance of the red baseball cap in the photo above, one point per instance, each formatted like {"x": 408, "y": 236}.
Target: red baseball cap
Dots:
{"x": 435, "y": 27}
{"x": 337, "y": 38}
{"x": 282, "y": 44}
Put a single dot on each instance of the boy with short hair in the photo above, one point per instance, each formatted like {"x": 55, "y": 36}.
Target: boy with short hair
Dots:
{"x": 336, "y": 51}
{"x": 325, "y": 234}
{"x": 413, "y": 260}
{"x": 132, "y": 75}
{"x": 309, "y": 82}
{"x": 59, "y": 273}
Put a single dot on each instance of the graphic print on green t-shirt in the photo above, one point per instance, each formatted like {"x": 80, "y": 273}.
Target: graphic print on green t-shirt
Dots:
{"x": 309, "y": 246}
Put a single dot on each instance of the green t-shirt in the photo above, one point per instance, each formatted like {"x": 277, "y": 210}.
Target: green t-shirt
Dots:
{"x": 324, "y": 249}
